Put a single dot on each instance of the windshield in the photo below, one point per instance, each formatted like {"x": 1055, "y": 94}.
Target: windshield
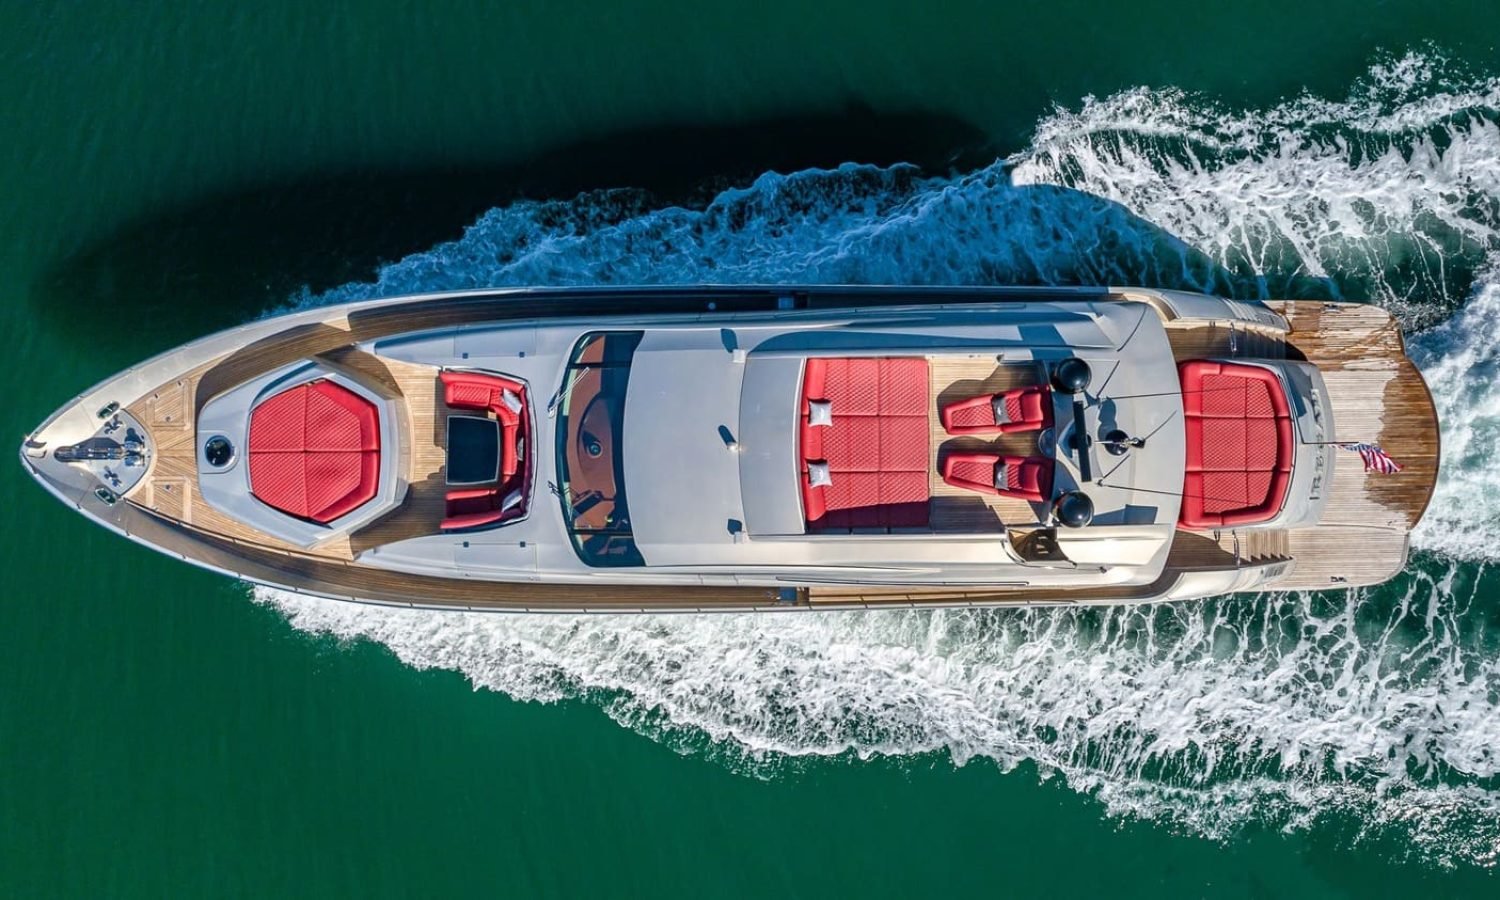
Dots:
{"x": 590, "y": 416}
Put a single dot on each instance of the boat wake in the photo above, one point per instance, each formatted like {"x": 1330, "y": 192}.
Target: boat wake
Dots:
{"x": 1379, "y": 708}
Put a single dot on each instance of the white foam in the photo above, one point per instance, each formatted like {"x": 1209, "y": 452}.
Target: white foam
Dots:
{"x": 1209, "y": 715}
{"x": 1461, "y": 361}
{"x": 1281, "y": 709}
{"x": 1314, "y": 189}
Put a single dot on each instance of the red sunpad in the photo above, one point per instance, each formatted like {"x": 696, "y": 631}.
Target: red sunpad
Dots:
{"x": 315, "y": 451}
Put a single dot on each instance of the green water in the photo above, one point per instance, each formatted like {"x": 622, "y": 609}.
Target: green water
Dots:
{"x": 168, "y": 168}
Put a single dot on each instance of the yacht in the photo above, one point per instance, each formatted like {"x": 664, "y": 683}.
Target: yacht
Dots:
{"x": 715, "y": 448}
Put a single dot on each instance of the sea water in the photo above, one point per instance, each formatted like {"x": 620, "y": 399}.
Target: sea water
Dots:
{"x": 1379, "y": 707}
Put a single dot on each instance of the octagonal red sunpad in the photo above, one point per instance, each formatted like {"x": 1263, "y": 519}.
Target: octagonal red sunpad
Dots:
{"x": 315, "y": 451}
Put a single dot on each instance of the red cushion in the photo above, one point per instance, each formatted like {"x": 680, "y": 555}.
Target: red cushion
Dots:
{"x": 466, "y": 395}
{"x": 852, "y": 444}
{"x": 903, "y": 500}
{"x": 974, "y": 471}
{"x": 814, "y": 377}
{"x": 510, "y": 461}
{"x": 338, "y": 419}
{"x": 315, "y": 451}
{"x": 903, "y": 443}
{"x": 1276, "y": 484}
{"x": 1028, "y": 477}
{"x": 811, "y": 437}
{"x": 1240, "y": 444}
{"x": 331, "y": 476}
{"x": 279, "y": 425}
{"x": 814, "y": 500}
{"x": 853, "y": 386}
{"x": 472, "y": 520}
{"x": 877, "y": 448}
{"x": 486, "y": 391}
{"x": 903, "y": 387}
{"x": 279, "y": 480}
{"x": 475, "y": 507}
{"x": 1229, "y": 499}
{"x": 971, "y": 415}
{"x": 1028, "y": 409}
{"x": 369, "y": 471}
{"x": 1229, "y": 390}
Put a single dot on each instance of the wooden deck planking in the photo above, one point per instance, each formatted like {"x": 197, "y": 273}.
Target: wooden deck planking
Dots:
{"x": 1335, "y": 556}
{"x": 165, "y": 411}
{"x": 1378, "y": 396}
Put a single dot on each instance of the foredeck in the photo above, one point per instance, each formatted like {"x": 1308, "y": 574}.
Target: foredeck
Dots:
{"x": 1376, "y": 394}
{"x": 171, "y": 486}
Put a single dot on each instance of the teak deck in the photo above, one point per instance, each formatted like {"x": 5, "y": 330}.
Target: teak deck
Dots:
{"x": 1376, "y": 395}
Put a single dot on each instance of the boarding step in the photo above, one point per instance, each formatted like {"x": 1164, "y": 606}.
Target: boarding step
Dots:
{"x": 1256, "y": 546}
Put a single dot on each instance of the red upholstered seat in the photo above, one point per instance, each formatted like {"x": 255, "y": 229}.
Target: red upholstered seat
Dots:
{"x": 474, "y": 507}
{"x": 1240, "y": 444}
{"x": 876, "y": 448}
{"x": 1026, "y": 477}
{"x": 1025, "y": 409}
{"x": 315, "y": 451}
{"x": 475, "y": 390}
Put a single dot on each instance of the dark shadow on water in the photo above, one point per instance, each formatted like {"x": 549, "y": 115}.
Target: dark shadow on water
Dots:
{"x": 182, "y": 273}
{"x": 225, "y": 259}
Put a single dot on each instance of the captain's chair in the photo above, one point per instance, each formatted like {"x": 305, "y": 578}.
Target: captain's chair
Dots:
{"x": 1023, "y": 477}
{"x": 1023, "y": 409}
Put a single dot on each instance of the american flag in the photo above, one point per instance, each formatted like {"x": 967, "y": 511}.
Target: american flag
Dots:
{"x": 1376, "y": 459}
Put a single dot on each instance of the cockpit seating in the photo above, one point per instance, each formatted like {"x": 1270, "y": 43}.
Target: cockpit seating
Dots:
{"x": 472, "y": 507}
{"x": 1023, "y": 477}
{"x": 1023, "y": 409}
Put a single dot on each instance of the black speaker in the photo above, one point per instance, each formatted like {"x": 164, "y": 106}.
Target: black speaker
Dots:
{"x": 1071, "y": 376}
{"x": 1073, "y": 509}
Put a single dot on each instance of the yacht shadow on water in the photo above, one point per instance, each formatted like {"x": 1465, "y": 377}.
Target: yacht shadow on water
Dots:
{"x": 231, "y": 257}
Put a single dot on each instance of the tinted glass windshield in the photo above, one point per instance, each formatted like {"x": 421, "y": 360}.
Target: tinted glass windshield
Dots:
{"x": 590, "y": 414}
